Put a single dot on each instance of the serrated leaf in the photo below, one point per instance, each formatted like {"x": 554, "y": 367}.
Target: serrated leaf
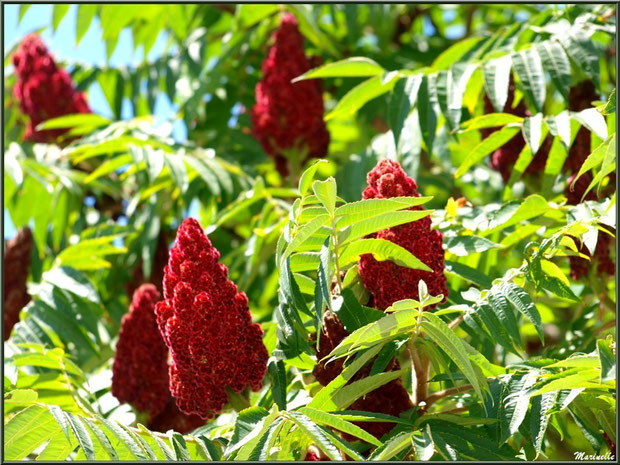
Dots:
{"x": 463, "y": 246}
{"x": 337, "y": 422}
{"x": 496, "y": 75}
{"x": 84, "y": 439}
{"x": 451, "y": 85}
{"x": 559, "y": 125}
{"x": 381, "y": 331}
{"x": 381, "y": 250}
{"x": 468, "y": 273}
{"x": 58, "y": 13}
{"x": 357, "y": 97}
{"x": 580, "y": 379}
{"x": 304, "y": 233}
{"x": 521, "y": 301}
{"x": 326, "y": 193}
{"x": 557, "y": 64}
{"x": 27, "y": 430}
{"x": 579, "y": 46}
{"x": 439, "y": 332}
{"x": 305, "y": 182}
{"x": 423, "y": 444}
{"x": 123, "y": 438}
{"x": 352, "y": 314}
{"x": 316, "y": 434}
{"x": 490, "y": 120}
{"x": 593, "y": 120}
{"x": 351, "y": 67}
{"x": 402, "y": 101}
{"x": 540, "y": 417}
{"x": 378, "y": 223}
{"x": 514, "y": 404}
{"x": 608, "y": 361}
{"x": 363, "y": 209}
{"x": 85, "y": 14}
{"x": 506, "y": 315}
{"x": 393, "y": 446}
{"x": 528, "y": 67}
{"x": 426, "y": 111}
{"x": 486, "y": 146}
{"x": 324, "y": 399}
{"x": 277, "y": 375}
{"x": 532, "y": 132}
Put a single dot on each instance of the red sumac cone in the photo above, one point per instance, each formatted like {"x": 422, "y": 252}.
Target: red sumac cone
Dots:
{"x": 140, "y": 370}
{"x": 288, "y": 116}
{"x": 206, "y": 323}
{"x": 44, "y": 90}
{"x": 386, "y": 281}
{"x": 16, "y": 266}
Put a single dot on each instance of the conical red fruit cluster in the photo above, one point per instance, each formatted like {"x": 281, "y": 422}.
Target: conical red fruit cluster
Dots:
{"x": 140, "y": 370}
{"x": 386, "y": 281}
{"x": 206, "y": 323}
{"x": 289, "y": 116}
{"x": 16, "y": 265}
{"x": 44, "y": 90}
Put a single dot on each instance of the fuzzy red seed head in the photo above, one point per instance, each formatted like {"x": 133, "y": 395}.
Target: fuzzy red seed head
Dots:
{"x": 386, "y": 281}
{"x": 140, "y": 370}
{"x": 44, "y": 90}
{"x": 16, "y": 265}
{"x": 206, "y": 323}
{"x": 288, "y": 116}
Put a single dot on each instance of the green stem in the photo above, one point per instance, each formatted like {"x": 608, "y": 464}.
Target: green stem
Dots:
{"x": 337, "y": 266}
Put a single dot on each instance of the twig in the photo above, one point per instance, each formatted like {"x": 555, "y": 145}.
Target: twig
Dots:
{"x": 465, "y": 408}
{"x": 430, "y": 400}
{"x": 606, "y": 326}
{"x": 420, "y": 364}
{"x": 457, "y": 321}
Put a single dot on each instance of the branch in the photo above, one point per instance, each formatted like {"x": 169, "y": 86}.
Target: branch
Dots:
{"x": 420, "y": 364}
{"x": 457, "y": 321}
{"x": 430, "y": 400}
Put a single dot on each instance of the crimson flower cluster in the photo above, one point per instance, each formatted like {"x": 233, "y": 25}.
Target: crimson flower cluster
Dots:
{"x": 505, "y": 157}
{"x": 288, "y": 116}
{"x": 206, "y": 324}
{"x": 391, "y": 398}
{"x": 386, "y": 281}
{"x": 44, "y": 90}
{"x": 16, "y": 264}
{"x": 140, "y": 370}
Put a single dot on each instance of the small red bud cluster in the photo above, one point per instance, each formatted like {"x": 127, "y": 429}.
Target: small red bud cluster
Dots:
{"x": 206, "y": 323}
{"x": 386, "y": 281}
{"x": 140, "y": 370}
{"x": 16, "y": 265}
{"x": 289, "y": 116}
{"x": 44, "y": 90}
